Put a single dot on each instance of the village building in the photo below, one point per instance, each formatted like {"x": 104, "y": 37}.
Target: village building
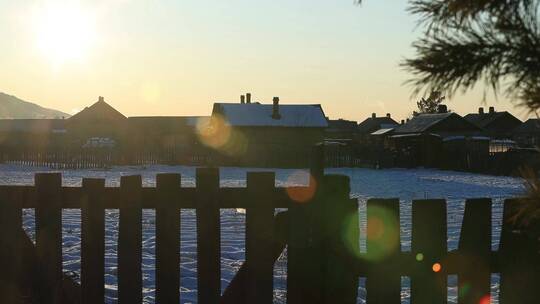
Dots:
{"x": 444, "y": 139}
{"x": 497, "y": 125}
{"x": 527, "y": 135}
{"x": 374, "y": 123}
{"x": 98, "y": 122}
{"x": 341, "y": 130}
{"x": 102, "y": 130}
{"x": 269, "y": 135}
{"x": 25, "y": 133}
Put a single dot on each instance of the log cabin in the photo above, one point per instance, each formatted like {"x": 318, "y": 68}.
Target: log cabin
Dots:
{"x": 269, "y": 135}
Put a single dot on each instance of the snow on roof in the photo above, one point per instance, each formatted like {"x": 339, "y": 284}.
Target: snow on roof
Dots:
{"x": 260, "y": 115}
{"x": 451, "y": 138}
{"x": 480, "y": 138}
{"x": 503, "y": 142}
{"x": 414, "y": 135}
{"x": 382, "y": 131}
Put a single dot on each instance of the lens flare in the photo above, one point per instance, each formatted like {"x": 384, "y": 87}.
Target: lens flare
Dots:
{"x": 216, "y": 133}
{"x": 485, "y": 300}
{"x": 301, "y": 194}
{"x": 150, "y": 92}
{"x": 213, "y": 132}
{"x": 382, "y": 233}
{"x": 464, "y": 290}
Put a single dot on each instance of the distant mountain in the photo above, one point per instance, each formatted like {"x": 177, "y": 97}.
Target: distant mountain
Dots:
{"x": 13, "y": 107}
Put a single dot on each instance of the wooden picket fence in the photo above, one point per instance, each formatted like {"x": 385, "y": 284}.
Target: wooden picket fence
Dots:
{"x": 321, "y": 235}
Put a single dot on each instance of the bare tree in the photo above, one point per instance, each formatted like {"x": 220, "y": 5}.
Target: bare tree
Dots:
{"x": 429, "y": 105}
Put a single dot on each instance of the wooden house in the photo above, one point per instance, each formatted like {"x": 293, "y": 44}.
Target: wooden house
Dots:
{"x": 269, "y": 135}
{"x": 440, "y": 140}
{"x": 374, "y": 123}
{"x": 528, "y": 134}
{"x": 496, "y": 125}
{"x": 99, "y": 120}
{"x": 341, "y": 129}
{"x": 171, "y": 137}
{"x": 31, "y": 133}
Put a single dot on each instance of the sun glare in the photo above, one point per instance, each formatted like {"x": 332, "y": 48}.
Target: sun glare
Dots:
{"x": 64, "y": 32}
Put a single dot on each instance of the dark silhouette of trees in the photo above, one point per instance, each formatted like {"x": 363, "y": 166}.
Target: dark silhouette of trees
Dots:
{"x": 429, "y": 105}
{"x": 469, "y": 41}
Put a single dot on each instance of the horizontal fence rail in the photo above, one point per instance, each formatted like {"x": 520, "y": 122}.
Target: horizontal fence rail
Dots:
{"x": 321, "y": 233}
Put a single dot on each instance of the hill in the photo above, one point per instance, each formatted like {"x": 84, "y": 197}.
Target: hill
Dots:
{"x": 12, "y": 107}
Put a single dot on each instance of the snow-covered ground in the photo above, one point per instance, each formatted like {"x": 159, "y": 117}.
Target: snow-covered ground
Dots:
{"x": 365, "y": 183}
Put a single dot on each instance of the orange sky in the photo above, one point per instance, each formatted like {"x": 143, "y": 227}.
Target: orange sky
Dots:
{"x": 178, "y": 57}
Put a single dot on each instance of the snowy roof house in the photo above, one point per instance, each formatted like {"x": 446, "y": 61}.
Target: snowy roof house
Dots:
{"x": 271, "y": 115}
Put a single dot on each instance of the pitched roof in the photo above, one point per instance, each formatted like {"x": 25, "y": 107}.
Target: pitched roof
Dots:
{"x": 342, "y": 124}
{"x": 484, "y": 120}
{"x": 100, "y": 110}
{"x": 372, "y": 124}
{"x": 532, "y": 125}
{"x": 424, "y": 122}
{"x": 164, "y": 121}
{"x": 260, "y": 115}
{"x": 384, "y": 131}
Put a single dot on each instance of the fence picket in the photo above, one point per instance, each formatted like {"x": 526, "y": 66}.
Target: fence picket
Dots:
{"x": 337, "y": 216}
{"x": 519, "y": 264}
{"x": 208, "y": 237}
{"x": 130, "y": 241}
{"x": 93, "y": 242}
{"x": 429, "y": 245}
{"x": 167, "y": 240}
{"x": 474, "y": 276}
{"x": 49, "y": 235}
{"x": 321, "y": 235}
{"x": 260, "y": 238}
{"x": 304, "y": 252}
{"x": 11, "y": 248}
{"x": 383, "y": 283}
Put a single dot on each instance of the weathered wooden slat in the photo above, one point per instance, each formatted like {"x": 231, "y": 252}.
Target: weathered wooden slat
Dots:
{"x": 93, "y": 242}
{"x": 167, "y": 240}
{"x": 383, "y": 283}
{"x": 11, "y": 251}
{"x": 236, "y": 291}
{"x": 304, "y": 253}
{"x": 49, "y": 234}
{"x": 429, "y": 244}
{"x": 519, "y": 262}
{"x": 474, "y": 277}
{"x": 208, "y": 236}
{"x": 340, "y": 233}
{"x": 130, "y": 241}
{"x": 260, "y": 238}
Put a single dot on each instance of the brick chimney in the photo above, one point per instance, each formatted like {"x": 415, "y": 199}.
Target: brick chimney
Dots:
{"x": 491, "y": 110}
{"x": 242, "y": 99}
{"x": 248, "y": 97}
{"x": 100, "y": 98}
{"x": 373, "y": 115}
{"x": 275, "y": 108}
{"x": 442, "y": 109}
{"x": 481, "y": 111}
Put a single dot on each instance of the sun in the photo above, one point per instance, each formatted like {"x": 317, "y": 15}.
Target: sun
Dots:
{"x": 64, "y": 32}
